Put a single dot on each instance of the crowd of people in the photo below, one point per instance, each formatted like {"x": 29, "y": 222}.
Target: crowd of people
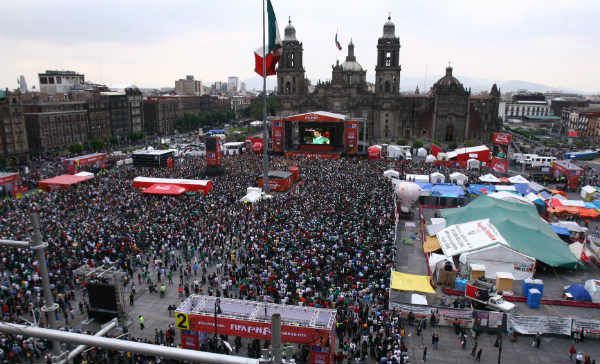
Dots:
{"x": 327, "y": 243}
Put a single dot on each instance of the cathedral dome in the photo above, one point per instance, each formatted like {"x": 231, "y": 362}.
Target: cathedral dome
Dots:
{"x": 389, "y": 29}
{"x": 290, "y": 31}
{"x": 448, "y": 81}
{"x": 350, "y": 64}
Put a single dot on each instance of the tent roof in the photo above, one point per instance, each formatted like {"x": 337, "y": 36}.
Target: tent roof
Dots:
{"x": 518, "y": 179}
{"x": 509, "y": 196}
{"x": 163, "y": 189}
{"x": 489, "y": 178}
{"x": 410, "y": 282}
{"x": 64, "y": 180}
{"x": 520, "y": 225}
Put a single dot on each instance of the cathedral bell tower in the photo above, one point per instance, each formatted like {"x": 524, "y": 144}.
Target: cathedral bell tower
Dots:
{"x": 387, "y": 71}
{"x": 290, "y": 72}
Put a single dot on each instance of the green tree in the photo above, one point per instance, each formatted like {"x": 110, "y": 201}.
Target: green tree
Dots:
{"x": 470, "y": 143}
{"x": 76, "y": 148}
{"x": 417, "y": 143}
{"x": 96, "y": 144}
{"x": 402, "y": 141}
{"x": 256, "y": 106}
{"x": 134, "y": 136}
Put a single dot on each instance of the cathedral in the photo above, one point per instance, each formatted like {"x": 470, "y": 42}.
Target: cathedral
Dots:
{"x": 448, "y": 114}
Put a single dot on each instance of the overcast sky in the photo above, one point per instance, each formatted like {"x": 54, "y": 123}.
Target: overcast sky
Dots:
{"x": 151, "y": 43}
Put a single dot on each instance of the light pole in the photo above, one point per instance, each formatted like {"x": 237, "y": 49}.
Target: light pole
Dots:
{"x": 217, "y": 309}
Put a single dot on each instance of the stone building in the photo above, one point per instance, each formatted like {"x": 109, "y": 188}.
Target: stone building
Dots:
{"x": 448, "y": 113}
{"x": 53, "y": 125}
{"x": 160, "y": 115}
{"x": 135, "y": 101}
{"x": 13, "y": 134}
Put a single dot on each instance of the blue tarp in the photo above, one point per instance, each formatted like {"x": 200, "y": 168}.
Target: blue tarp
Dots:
{"x": 475, "y": 189}
{"x": 561, "y": 230}
{"x": 579, "y": 292}
{"x": 545, "y": 195}
{"x": 447, "y": 190}
{"x": 523, "y": 188}
{"x": 425, "y": 186}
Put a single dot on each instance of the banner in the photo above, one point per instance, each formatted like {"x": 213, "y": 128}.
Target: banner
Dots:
{"x": 501, "y": 138}
{"x": 531, "y": 325}
{"x": 447, "y": 316}
{"x": 499, "y": 165}
{"x": 589, "y": 326}
{"x": 257, "y": 330}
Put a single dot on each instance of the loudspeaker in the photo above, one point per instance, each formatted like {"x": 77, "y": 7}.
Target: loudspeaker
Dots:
{"x": 103, "y": 301}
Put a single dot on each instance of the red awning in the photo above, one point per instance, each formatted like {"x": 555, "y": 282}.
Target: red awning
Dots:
{"x": 62, "y": 181}
{"x": 160, "y": 189}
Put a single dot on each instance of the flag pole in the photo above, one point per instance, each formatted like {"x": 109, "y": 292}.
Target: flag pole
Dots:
{"x": 264, "y": 113}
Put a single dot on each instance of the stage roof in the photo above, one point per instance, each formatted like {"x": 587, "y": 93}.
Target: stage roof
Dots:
{"x": 316, "y": 116}
{"x": 160, "y": 189}
{"x": 520, "y": 225}
{"x": 63, "y": 180}
{"x": 304, "y": 316}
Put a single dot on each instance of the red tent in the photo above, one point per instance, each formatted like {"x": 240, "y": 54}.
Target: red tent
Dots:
{"x": 62, "y": 181}
{"x": 160, "y": 189}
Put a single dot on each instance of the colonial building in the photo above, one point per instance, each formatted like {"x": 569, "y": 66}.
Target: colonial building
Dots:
{"x": 13, "y": 135}
{"x": 53, "y": 125}
{"x": 448, "y": 113}
{"x": 160, "y": 115}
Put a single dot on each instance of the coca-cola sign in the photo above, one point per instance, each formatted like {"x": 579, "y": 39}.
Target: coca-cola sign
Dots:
{"x": 501, "y": 138}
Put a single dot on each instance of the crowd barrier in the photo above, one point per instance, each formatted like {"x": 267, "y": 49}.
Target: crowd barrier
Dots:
{"x": 521, "y": 324}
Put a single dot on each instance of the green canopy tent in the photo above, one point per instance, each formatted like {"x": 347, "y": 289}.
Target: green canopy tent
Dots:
{"x": 521, "y": 226}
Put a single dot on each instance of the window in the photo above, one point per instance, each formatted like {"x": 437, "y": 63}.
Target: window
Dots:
{"x": 388, "y": 59}
{"x": 292, "y": 60}
{"x": 387, "y": 86}
{"x": 51, "y": 80}
{"x": 43, "y": 80}
{"x": 58, "y": 80}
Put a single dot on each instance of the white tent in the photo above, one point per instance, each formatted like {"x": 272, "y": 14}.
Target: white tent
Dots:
{"x": 85, "y": 174}
{"x": 573, "y": 203}
{"x": 571, "y": 226}
{"x": 489, "y": 178}
{"x": 473, "y": 164}
{"x": 437, "y": 224}
{"x": 472, "y": 235}
{"x": 390, "y": 173}
{"x": 418, "y": 299}
{"x": 499, "y": 258}
{"x": 395, "y": 152}
{"x": 417, "y": 178}
{"x": 509, "y": 196}
{"x": 256, "y": 123}
{"x": 251, "y": 197}
{"x": 518, "y": 179}
{"x": 422, "y": 152}
{"x": 593, "y": 288}
{"x": 588, "y": 192}
{"x": 458, "y": 178}
{"x": 437, "y": 177}
{"x": 430, "y": 159}
{"x": 434, "y": 259}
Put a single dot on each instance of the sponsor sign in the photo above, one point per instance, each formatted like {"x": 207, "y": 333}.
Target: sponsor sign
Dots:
{"x": 530, "y": 325}
{"x": 501, "y": 138}
{"x": 499, "y": 165}
{"x": 473, "y": 235}
{"x": 256, "y": 330}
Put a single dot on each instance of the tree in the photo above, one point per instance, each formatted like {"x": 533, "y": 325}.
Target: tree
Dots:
{"x": 96, "y": 144}
{"x": 134, "y": 136}
{"x": 470, "y": 143}
{"x": 256, "y": 106}
{"x": 76, "y": 148}
{"x": 402, "y": 141}
{"x": 417, "y": 144}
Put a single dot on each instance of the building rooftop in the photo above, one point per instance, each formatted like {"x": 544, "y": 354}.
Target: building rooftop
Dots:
{"x": 60, "y": 73}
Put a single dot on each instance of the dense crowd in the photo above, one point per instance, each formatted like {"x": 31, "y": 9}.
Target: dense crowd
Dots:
{"x": 326, "y": 243}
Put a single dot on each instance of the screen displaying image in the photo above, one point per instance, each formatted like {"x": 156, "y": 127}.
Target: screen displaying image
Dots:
{"x": 316, "y": 135}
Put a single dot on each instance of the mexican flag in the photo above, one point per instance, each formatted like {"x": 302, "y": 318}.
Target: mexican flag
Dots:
{"x": 273, "y": 51}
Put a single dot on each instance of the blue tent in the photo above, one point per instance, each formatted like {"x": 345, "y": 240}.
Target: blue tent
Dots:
{"x": 579, "y": 292}
{"x": 447, "y": 190}
{"x": 523, "y": 188}
{"x": 475, "y": 189}
{"x": 561, "y": 230}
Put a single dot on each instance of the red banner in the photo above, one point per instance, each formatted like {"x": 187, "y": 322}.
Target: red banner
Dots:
{"x": 257, "y": 330}
{"x": 278, "y": 135}
{"x": 351, "y": 137}
{"x": 499, "y": 165}
{"x": 501, "y": 138}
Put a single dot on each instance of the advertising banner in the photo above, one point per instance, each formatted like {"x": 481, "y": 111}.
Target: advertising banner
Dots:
{"x": 351, "y": 137}
{"x": 473, "y": 235}
{"x": 256, "y": 330}
{"x": 590, "y": 327}
{"x": 499, "y": 165}
{"x": 530, "y": 325}
{"x": 501, "y": 138}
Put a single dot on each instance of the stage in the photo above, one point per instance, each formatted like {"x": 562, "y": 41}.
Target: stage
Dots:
{"x": 318, "y": 134}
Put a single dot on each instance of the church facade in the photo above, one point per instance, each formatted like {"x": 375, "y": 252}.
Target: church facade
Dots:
{"x": 448, "y": 113}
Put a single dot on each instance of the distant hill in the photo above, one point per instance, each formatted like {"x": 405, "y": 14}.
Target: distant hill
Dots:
{"x": 409, "y": 84}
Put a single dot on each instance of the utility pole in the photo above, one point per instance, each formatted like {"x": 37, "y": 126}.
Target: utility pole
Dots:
{"x": 264, "y": 113}
{"x": 276, "y": 337}
{"x": 49, "y": 306}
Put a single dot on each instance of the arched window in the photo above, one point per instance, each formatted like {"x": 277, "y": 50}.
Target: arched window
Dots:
{"x": 387, "y": 86}
{"x": 287, "y": 87}
{"x": 388, "y": 59}
{"x": 292, "y": 60}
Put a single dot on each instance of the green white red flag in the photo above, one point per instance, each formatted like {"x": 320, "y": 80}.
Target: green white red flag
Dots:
{"x": 273, "y": 50}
